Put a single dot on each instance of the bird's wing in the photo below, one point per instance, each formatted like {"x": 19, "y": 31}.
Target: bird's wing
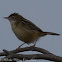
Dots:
{"x": 29, "y": 25}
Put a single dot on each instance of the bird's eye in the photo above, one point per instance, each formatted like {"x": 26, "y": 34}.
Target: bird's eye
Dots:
{"x": 13, "y": 18}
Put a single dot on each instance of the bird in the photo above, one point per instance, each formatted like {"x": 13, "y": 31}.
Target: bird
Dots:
{"x": 25, "y": 30}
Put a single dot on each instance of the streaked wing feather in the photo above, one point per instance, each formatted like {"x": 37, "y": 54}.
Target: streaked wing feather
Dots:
{"x": 29, "y": 25}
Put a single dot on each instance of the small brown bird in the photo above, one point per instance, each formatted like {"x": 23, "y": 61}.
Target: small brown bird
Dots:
{"x": 25, "y": 30}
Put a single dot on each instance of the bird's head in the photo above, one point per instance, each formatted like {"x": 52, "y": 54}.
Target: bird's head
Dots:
{"x": 14, "y": 17}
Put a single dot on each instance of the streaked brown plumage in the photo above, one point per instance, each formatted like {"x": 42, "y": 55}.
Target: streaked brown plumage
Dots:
{"x": 25, "y": 30}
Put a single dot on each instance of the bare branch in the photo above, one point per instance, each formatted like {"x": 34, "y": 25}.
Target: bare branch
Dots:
{"x": 36, "y": 56}
{"x": 41, "y": 50}
{"x": 46, "y": 54}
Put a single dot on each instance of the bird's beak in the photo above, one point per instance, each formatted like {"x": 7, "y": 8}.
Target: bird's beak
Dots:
{"x": 6, "y": 18}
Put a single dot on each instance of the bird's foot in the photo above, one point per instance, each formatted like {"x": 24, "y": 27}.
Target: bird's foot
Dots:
{"x": 19, "y": 47}
{"x": 32, "y": 46}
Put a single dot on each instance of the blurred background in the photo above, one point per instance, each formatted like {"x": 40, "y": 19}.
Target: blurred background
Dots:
{"x": 46, "y": 14}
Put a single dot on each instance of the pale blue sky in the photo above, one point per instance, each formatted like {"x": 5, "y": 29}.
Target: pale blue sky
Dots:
{"x": 46, "y": 14}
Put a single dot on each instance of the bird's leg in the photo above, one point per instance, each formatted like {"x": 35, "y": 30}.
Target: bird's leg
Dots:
{"x": 20, "y": 45}
{"x": 33, "y": 45}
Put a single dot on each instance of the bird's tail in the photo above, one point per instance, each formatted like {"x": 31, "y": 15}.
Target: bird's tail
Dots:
{"x": 50, "y": 33}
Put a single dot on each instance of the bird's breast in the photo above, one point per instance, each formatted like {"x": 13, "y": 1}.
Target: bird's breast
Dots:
{"x": 23, "y": 34}
{"x": 18, "y": 30}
